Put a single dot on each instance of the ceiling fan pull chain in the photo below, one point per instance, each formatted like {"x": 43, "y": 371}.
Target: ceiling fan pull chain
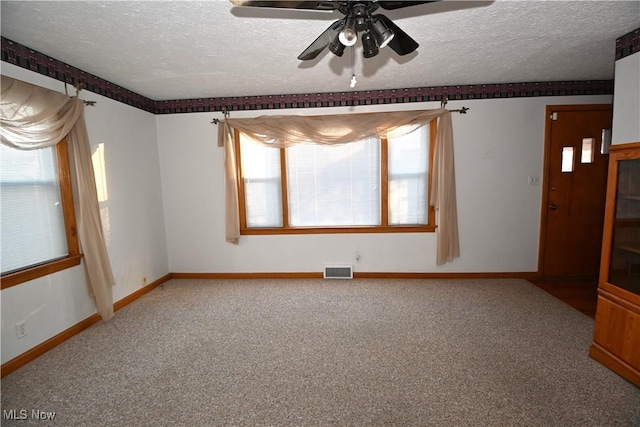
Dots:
{"x": 353, "y": 67}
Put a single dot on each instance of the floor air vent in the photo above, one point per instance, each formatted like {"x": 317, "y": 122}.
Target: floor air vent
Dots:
{"x": 338, "y": 272}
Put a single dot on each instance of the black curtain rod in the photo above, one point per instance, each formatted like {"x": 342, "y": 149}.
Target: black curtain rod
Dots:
{"x": 462, "y": 110}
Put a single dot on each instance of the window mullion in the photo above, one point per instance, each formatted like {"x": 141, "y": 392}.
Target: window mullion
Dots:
{"x": 384, "y": 182}
{"x": 284, "y": 189}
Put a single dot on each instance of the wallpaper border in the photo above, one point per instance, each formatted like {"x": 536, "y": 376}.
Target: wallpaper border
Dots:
{"x": 22, "y": 56}
{"x": 628, "y": 44}
{"x": 17, "y": 54}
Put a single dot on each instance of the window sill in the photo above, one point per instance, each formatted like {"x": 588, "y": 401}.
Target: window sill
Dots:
{"x": 32, "y": 273}
{"x": 338, "y": 230}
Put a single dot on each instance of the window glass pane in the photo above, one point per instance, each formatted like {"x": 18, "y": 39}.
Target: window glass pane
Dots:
{"x": 334, "y": 185}
{"x": 408, "y": 178}
{"x": 624, "y": 265}
{"x": 262, "y": 183}
{"x": 567, "y": 159}
{"x": 587, "y": 150}
{"x": 31, "y": 217}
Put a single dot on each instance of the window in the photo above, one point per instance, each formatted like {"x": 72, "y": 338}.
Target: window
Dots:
{"x": 567, "y": 160}
{"x": 262, "y": 185}
{"x": 588, "y": 151}
{"x": 334, "y": 185}
{"x": 409, "y": 179}
{"x": 373, "y": 185}
{"x": 37, "y": 219}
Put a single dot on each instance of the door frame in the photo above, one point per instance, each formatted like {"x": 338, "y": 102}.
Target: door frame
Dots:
{"x": 549, "y": 109}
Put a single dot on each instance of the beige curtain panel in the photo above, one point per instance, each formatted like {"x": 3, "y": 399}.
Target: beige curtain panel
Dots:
{"x": 33, "y": 117}
{"x": 284, "y": 131}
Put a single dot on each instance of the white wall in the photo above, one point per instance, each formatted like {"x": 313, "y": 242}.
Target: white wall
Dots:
{"x": 626, "y": 104}
{"x": 133, "y": 223}
{"x": 498, "y": 144}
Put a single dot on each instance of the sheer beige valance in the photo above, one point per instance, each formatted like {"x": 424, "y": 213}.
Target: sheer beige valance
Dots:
{"x": 33, "y": 117}
{"x": 284, "y": 131}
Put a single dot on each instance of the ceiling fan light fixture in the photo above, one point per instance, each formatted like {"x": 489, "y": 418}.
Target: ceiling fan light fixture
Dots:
{"x": 349, "y": 36}
{"x": 336, "y": 47}
{"x": 369, "y": 45}
{"x": 381, "y": 32}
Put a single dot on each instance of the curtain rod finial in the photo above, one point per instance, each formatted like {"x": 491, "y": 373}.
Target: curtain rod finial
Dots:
{"x": 225, "y": 113}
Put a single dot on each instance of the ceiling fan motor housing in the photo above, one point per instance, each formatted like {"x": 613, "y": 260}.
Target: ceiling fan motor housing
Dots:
{"x": 361, "y": 15}
{"x": 377, "y": 30}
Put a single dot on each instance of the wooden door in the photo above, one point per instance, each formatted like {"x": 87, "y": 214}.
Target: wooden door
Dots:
{"x": 574, "y": 190}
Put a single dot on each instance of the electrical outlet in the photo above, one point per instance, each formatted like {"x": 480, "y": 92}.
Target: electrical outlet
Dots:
{"x": 21, "y": 329}
{"x": 144, "y": 280}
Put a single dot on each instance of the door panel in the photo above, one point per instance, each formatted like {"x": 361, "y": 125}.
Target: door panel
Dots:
{"x": 575, "y": 189}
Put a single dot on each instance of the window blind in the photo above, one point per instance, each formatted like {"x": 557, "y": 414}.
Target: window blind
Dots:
{"x": 335, "y": 185}
{"x": 32, "y": 226}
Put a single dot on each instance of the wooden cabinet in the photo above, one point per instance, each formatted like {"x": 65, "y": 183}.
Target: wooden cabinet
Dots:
{"x": 616, "y": 339}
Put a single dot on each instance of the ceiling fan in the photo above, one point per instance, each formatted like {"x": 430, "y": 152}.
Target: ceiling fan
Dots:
{"x": 377, "y": 30}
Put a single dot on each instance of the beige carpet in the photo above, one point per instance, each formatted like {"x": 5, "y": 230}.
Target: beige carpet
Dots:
{"x": 329, "y": 353}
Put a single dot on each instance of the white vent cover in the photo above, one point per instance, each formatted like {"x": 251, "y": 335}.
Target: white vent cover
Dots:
{"x": 338, "y": 272}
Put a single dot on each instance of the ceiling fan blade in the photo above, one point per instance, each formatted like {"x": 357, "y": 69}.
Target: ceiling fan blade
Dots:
{"x": 390, "y": 5}
{"x": 322, "y": 41}
{"x": 308, "y": 5}
{"x": 401, "y": 43}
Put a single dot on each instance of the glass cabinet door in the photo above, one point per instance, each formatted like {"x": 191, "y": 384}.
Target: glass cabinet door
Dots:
{"x": 624, "y": 266}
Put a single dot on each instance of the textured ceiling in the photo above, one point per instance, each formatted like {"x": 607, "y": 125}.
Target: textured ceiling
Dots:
{"x": 205, "y": 49}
